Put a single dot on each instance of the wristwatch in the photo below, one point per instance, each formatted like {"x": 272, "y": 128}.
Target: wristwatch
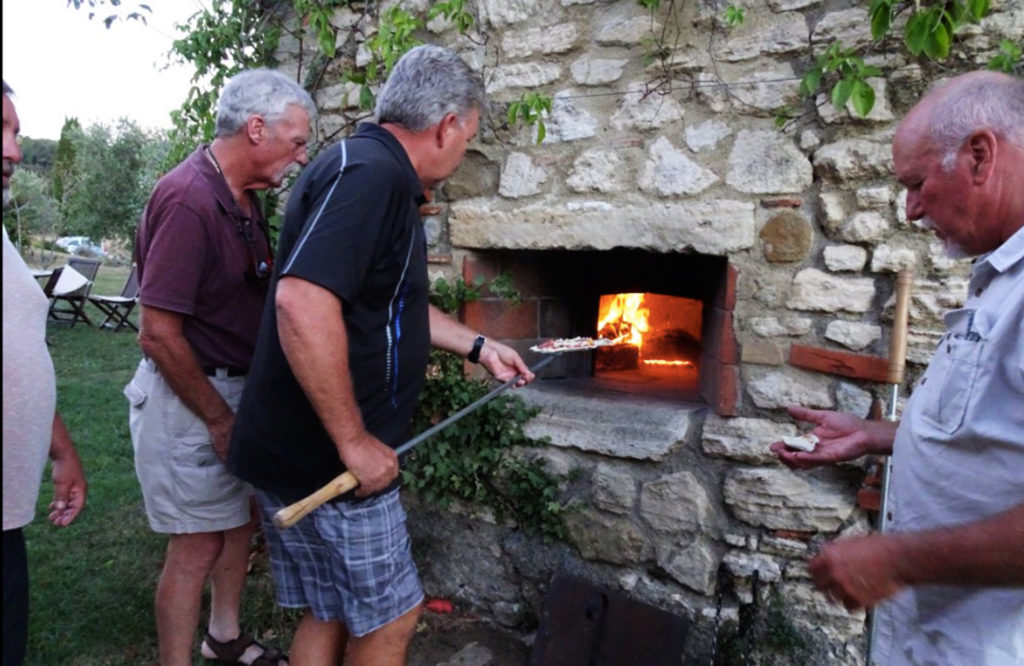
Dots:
{"x": 474, "y": 353}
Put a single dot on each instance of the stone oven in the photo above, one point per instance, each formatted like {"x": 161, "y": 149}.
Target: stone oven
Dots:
{"x": 670, "y": 312}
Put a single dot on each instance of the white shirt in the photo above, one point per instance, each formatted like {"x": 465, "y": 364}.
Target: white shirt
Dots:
{"x": 958, "y": 457}
{"x": 30, "y": 390}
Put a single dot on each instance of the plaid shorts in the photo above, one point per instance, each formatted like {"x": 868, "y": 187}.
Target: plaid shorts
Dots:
{"x": 345, "y": 561}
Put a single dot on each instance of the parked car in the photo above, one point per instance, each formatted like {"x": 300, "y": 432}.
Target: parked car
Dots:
{"x": 80, "y": 245}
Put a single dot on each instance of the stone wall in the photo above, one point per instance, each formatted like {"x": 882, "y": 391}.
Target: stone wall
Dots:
{"x": 703, "y": 521}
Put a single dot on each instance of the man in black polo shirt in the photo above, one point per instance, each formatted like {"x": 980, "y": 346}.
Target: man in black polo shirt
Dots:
{"x": 341, "y": 359}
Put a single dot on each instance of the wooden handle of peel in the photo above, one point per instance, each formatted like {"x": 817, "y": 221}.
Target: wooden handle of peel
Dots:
{"x": 898, "y": 345}
{"x": 292, "y": 513}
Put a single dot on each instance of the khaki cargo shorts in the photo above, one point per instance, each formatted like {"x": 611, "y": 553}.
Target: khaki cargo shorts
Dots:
{"x": 185, "y": 486}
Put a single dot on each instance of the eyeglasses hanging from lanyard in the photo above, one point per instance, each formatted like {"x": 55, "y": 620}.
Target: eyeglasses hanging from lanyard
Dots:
{"x": 259, "y": 270}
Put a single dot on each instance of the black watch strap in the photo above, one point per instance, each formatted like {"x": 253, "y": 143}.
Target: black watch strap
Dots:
{"x": 474, "y": 353}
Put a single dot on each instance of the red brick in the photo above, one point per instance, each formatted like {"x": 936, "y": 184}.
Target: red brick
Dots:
{"x": 525, "y": 278}
{"x": 870, "y": 499}
{"x": 475, "y": 265}
{"x": 725, "y": 297}
{"x": 720, "y": 339}
{"x": 498, "y": 319}
{"x": 727, "y": 400}
{"x": 858, "y": 366}
{"x": 719, "y": 385}
{"x": 789, "y": 202}
{"x": 794, "y": 534}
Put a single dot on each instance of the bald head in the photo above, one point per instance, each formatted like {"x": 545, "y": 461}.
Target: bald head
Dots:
{"x": 963, "y": 105}
{"x": 958, "y": 152}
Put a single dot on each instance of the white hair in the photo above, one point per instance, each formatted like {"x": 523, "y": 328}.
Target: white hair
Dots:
{"x": 426, "y": 84}
{"x": 263, "y": 92}
{"x": 976, "y": 101}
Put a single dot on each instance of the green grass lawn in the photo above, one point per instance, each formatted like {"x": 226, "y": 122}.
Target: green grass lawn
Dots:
{"x": 92, "y": 584}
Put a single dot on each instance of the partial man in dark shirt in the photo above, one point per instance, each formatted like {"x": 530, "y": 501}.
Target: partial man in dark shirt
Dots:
{"x": 204, "y": 260}
{"x": 342, "y": 357}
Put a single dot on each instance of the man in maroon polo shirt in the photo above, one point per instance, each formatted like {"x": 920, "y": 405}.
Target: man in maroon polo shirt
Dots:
{"x": 204, "y": 261}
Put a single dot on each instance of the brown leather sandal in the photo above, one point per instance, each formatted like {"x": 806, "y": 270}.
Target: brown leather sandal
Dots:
{"x": 230, "y": 652}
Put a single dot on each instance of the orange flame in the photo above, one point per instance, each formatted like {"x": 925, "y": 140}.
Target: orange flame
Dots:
{"x": 622, "y": 320}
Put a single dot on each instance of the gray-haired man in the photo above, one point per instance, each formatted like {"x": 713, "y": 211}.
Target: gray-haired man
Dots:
{"x": 204, "y": 261}
{"x": 342, "y": 358}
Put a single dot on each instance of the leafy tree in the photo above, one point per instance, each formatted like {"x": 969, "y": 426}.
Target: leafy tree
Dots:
{"x": 31, "y": 210}
{"x": 38, "y": 155}
{"x": 117, "y": 167}
{"x": 65, "y": 177}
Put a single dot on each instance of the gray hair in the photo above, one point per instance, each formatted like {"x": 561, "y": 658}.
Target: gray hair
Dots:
{"x": 7, "y": 89}
{"x": 263, "y": 92}
{"x": 426, "y": 84}
{"x": 972, "y": 102}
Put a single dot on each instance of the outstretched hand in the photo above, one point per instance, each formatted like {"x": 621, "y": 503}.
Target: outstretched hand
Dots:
{"x": 841, "y": 437}
{"x": 504, "y": 362}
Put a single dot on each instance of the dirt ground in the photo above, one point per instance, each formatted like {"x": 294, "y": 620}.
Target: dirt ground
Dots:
{"x": 453, "y": 639}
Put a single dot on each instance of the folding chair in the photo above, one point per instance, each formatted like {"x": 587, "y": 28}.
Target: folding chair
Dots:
{"x": 72, "y": 290}
{"x": 117, "y": 308}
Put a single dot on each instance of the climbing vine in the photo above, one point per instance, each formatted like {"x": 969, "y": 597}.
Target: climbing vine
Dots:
{"x": 472, "y": 459}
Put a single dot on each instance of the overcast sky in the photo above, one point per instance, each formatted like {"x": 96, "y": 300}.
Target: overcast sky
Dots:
{"x": 60, "y": 64}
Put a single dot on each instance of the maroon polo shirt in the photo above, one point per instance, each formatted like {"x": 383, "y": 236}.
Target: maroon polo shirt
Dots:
{"x": 197, "y": 255}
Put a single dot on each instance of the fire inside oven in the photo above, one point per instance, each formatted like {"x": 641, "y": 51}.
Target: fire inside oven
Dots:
{"x": 656, "y": 336}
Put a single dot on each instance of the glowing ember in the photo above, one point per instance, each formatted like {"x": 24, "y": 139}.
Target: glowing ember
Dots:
{"x": 664, "y": 362}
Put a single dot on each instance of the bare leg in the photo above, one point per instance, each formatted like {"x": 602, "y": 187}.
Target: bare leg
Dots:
{"x": 318, "y": 643}
{"x": 190, "y": 557}
{"x": 227, "y": 580}
{"x": 386, "y": 646}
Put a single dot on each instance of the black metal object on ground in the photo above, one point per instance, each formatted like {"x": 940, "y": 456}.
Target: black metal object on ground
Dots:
{"x": 585, "y": 625}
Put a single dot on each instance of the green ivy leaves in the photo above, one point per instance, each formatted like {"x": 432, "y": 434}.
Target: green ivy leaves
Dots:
{"x": 929, "y": 31}
{"x": 531, "y": 109}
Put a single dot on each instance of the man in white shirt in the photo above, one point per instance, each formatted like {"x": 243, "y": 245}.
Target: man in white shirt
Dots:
{"x": 32, "y": 426}
{"x": 950, "y": 566}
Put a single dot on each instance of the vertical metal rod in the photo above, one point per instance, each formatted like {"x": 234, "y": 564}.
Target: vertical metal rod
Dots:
{"x": 897, "y": 362}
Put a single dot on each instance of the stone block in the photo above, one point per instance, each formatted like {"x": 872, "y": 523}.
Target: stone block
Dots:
{"x": 606, "y": 422}
{"x": 539, "y": 41}
{"x": 694, "y": 565}
{"x": 669, "y": 172}
{"x": 743, "y": 439}
{"x": 706, "y": 135}
{"x": 853, "y": 160}
{"x": 606, "y": 538}
{"x": 613, "y": 489}
{"x": 816, "y": 290}
{"x": 521, "y": 177}
{"x": 787, "y": 237}
{"x": 763, "y": 353}
{"x": 676, "y": 503}
{"x": 717, "y": 228}
{"x": 778, "y": 498}
{"x": 851, "y": 334}
{"x": 845, "y": 257}
{"x": 588, "y": 71}
{"x": 866, "y": 226}
{"x": 767, "y": 163}
{"x": 777, "y": 390}
{"x": 598, "y": 170}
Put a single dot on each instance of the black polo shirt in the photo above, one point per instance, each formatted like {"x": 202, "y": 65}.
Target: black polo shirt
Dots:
{"x": 352, "y": 226}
